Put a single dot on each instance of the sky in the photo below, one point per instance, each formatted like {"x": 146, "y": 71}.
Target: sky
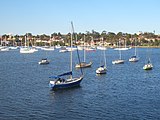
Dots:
{"x": 49, "y": 16}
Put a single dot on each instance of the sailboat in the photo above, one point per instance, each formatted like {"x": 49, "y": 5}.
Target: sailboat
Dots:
{"x": 4, "y": 48}
{"x": 43, "y": 61}
{"x": 148, "y": 65}
{"x": 26, "y": 49}
{"x": 134, "y": 58}
{"x": 63, "y": 49}
{"x": 118, "y": 61}
{"x": 103, "y": 68}
{"x": 84, "y": 64}
{"x": 122, "y": 48}
{"x": 48, "y": 48}
{"x": 59, "y": 82}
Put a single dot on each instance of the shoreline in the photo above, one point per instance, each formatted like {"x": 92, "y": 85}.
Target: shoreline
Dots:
{"x": 148, "y": 46}
{"x": 140, "y": 47}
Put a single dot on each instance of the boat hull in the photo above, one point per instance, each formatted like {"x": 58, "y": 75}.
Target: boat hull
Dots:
{"x": 47, "y": 48}
{"x": 26, "y": 50}
{"x": 133, "y": 60}
{"x": 101, "y": 70}
{"x": 43, "y": 63}
{"x": 4, "y": 49}
{"x": 121, "y": 49}
{"x": 148, "y": 67}
{"x": 118, "y": 62}
{"x": 83, "y": 65}
{"x": 66, "y": 85}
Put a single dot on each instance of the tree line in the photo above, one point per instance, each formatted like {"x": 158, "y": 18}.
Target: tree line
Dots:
{"x": 141, "y": 39}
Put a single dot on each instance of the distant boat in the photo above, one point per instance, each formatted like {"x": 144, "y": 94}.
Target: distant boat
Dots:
{"x": 44, "y": 61}
{"x": 101, "y": 48}
{"x": 148, "y": 65}
{"x": 1, "y": 47}
{"x": 118, "y": 61}
{"x": 47, "y": 48}
{"x": 80, "y": 47}
{"x": 89, "y": 49}
{"x": 38, "y": 47}
{"x": 63, "y": 49}
{"x": 59, "y": 82}
{"x": 58, "y": 46}
{"x": 4, "y": 49}
{"x": 103, "y": 68}
{"x": 122, "y": 48}
{"x": 13, "y": 47}
{"x": 71, "y": 49}
{"x": 84, "y": 64}
{"x": 26, "y": 49}
{"x": 134, "y": 58}
{"x": 35, "y": 49}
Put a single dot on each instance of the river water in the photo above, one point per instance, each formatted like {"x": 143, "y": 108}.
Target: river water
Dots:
{"x": 126, "y": 92}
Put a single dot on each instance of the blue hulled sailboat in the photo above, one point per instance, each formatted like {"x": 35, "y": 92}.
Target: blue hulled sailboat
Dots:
{"x": 59, "y": 82}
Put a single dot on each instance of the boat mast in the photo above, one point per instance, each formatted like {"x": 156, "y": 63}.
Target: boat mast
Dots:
{"x": 84, "y": 50}
{"x": 25, "y": 40}
{"x": 71, "y": 47}
{"x": 105, "y": 58}
{"x": 135, "y": 52}
{"x": 148, "y": 52}
{"x": 104, "y": 54}
{"x": 119, "y": 51}
{"x": 76, "y": 50}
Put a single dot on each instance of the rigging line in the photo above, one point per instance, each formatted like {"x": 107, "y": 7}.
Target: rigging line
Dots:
{"x": 77, "y": 49}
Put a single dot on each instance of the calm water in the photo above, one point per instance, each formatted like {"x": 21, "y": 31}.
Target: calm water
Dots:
{"x": 126, "y": 92}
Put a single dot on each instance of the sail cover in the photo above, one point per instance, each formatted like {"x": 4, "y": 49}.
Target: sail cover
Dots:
{"x": 102, "y": 66}
{"x": 58, "y": 76}
{"x": 133, "y": 56}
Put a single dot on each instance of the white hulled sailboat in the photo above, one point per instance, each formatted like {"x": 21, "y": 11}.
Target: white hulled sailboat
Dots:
{"x": 84, "y": 64}
{"x": 135, "y": 57}
{"x": 118, "y": 61}
{"x": 103, "y": 68}
{"x": 26, "y": 49}
{"x": 148, "y": 65}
